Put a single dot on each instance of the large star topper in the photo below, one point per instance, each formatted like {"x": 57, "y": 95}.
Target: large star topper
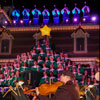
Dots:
{"x": 45, "y": 30}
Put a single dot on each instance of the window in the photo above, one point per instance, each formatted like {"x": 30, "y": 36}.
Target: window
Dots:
{"x": 5, "y": 43}
{"x": 80, "y": 40}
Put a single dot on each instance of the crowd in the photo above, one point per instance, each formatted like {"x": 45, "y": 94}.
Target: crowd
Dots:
{"x": 43, "y": 59}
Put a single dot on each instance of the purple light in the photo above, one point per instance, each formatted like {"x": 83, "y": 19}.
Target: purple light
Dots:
{"x": 30, "y": 22}
{"x": 5, "y": 22}
{"x": 75, "y": 19}
{"x": 93, "y": 18}
{"x": 67, "y": 20}
{"x": 21, "y": 21}
{"x": 14, "y": 21}
{"x": 84, "y": 19}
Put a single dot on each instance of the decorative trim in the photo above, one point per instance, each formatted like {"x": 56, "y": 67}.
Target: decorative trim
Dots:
{"x": 53, "y": 28}
{"x": 80, "y": 33}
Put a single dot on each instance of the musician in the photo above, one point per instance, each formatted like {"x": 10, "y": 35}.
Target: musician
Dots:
{"x": 65, "y": 14}
{"x": 76, "y": 12}
{"x": 67, "y": 91}
{"x": 86, "y": 11}
{"x": 36, "y": 13}
{"x": 16, "y": 15}
{"x": 26, "y": 15}
{"x": 46, "y": 15}
{"x": 55, "y": 14}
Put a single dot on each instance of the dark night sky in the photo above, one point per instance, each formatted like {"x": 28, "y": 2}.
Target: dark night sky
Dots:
{"x": 49, "y": 4}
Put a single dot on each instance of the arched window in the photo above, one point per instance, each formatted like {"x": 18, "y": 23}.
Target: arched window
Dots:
{"x": 5, "y": 46}
{"x": 80, "y": 40}
{"x": 5, "y": 43}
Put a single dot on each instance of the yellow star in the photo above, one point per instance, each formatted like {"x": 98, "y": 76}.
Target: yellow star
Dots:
{"x": 45, "y": 30}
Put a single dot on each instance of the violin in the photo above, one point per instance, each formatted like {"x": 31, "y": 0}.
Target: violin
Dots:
{"x": 46, "y": 89}
{"x": 30, "y": 93}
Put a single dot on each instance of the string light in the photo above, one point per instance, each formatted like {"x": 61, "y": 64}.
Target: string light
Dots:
{"x": 54, "y": 28}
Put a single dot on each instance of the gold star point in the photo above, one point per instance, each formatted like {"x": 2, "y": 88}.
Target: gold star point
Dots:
{"x": 45, "y": 30}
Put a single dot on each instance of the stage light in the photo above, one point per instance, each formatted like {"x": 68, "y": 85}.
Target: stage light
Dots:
{"x": 84, "y": 19}
{"x": 21, "y": 21}
{"x": 14, "y": 21}
{"x": 5, "y": 22}
{"x": 30, "y": 22}
{"x": 75, "y": 20}
{"x": 67, "y": 20}
{"x": 93, "y": 18}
